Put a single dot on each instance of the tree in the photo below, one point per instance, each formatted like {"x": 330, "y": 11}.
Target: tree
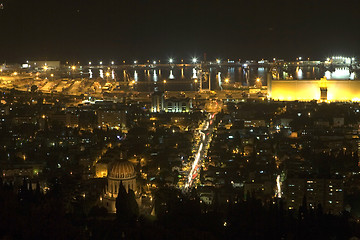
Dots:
{"x": 133, "y": 206}
{"x": 127, "y": 209}
{"x": 121, "y": 203}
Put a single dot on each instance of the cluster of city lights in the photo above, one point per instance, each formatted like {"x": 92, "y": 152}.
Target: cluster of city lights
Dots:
{"x": 194, "y": 60}
{"x": 342, "y": 59}
{"x": 171, "y": 60}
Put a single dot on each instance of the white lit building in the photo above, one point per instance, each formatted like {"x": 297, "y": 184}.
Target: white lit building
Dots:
{"x": 174, "y": 105}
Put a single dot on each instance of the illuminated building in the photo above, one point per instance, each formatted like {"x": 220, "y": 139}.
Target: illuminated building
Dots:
{"x": 339, "y": 60}
{"x": 123, "y": 172}
{"x": 175, "y": 105}
{"x": 21, "y": 170}
{"x": 327, "y": 192}
{"x": 66, "y": 119}
{"x": 178, "y": 105}
{"x": 262, "y": 188}
{"x": 4, "y": 110}
{"x": 112, "y": 118}
{"x": 157, "y": 104}
{"x": 254, "y": 123}
{"x": 320, "y": 90}
{"x": 40, "y": 64}
{"x": 101, "y": 169}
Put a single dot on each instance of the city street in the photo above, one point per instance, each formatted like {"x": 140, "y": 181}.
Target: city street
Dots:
{"x": 201, "y": 152}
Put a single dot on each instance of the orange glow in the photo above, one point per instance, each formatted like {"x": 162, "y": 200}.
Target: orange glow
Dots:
{"x": 323, "y": 82}
{"x": 308, "y": 90}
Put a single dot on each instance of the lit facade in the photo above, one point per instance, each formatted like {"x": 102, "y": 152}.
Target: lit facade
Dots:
{"x": 101, "y": 170}
{"x": 112, "y": 118}
{"x": 67, "y": 119}
{"x": 254, "y": 123}
{"x": 157, "y": 104}
{"x": 174, "y": 105}
{"x": 327, "y": 192}
{"x": 178, "y": 105}
{"x": 308, "y": 90}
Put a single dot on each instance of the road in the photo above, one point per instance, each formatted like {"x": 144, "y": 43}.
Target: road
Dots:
{"x": 201, "y": 152}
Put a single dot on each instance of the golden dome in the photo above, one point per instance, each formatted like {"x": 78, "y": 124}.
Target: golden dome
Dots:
{"x": 122, "y": 170}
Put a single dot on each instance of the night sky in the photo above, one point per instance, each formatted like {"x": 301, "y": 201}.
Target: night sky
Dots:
{"x": 85, "y": 30}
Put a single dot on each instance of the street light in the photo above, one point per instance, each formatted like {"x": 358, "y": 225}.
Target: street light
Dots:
{"x": 89, "y": 63}
{"x": 195, "y": 81}
{"x": 227, "y": 80}
{"x": 258, "y": 83}
{"x": 164, "y": 84}
{"x": 194, "y": 60}
{"x": 73, "y": 67}
{"x": 171, "y": 60}
{"x": 154, "y": 62}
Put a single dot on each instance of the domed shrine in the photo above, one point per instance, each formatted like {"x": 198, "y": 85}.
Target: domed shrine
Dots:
{"x": 121, "y": 171}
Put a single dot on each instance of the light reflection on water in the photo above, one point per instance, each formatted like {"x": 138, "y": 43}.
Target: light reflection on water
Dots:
{"x": 101, "y": 73}
{"x": 155, "y": 77}
{"x": 135, "y": 76}
{"x": 219, "y": 79}
{"x": 352, "y": 76}
{"x": 182, "y": 78}
{"x": 194, "y": 73}
{"x": 299, "y": 73}
{"x": 171, "y": 76}
{"x": 341, "y": 73}
{"x": 328, "y": 74}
